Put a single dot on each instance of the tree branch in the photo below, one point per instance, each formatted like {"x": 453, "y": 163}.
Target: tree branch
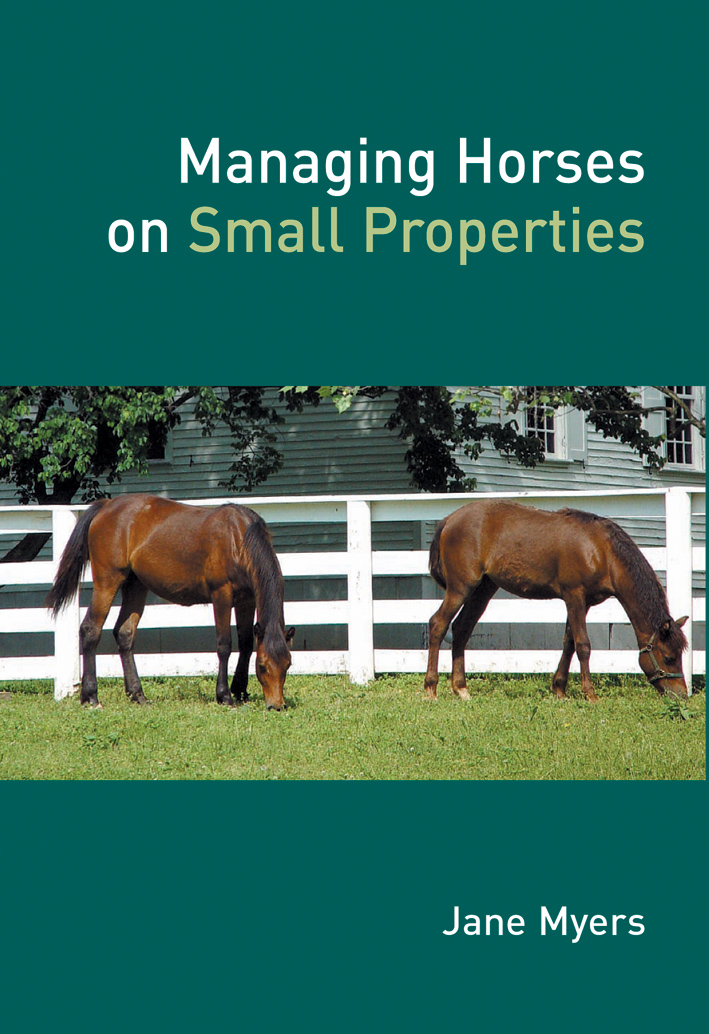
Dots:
{"x": 695, "y": 421}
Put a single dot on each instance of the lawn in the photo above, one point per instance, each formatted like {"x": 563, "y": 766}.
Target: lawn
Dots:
{"x": 513, "y": 728}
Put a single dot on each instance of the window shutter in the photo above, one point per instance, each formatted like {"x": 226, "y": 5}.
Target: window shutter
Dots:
{"x": 654, "y": 422}
{"x": 576, "y": 435}
{"x": 700, "y": 442}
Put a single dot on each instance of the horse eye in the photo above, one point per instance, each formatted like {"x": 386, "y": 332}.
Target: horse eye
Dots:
{"x": 262, "y": 668}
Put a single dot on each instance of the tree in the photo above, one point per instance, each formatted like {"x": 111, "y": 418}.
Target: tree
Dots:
{"x": 56, "y": 443}
{"x": 59, "y": 443}
{"x": 440, "y": 422}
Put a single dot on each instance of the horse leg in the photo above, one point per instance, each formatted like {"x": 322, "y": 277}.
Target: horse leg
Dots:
{"x": 132, "y": 606}
{"x": 244, "y": 613}
{"x": 222, "y": 604}
{"x": 463, "y": 627}
{"x": 561, "y": 677}
{"x": 437, "y": 628}
{"x": 577, "y": 609}
{"x": 90, "y": 633}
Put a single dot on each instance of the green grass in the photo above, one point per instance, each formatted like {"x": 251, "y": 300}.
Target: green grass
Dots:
{"x": 512, "y": 729}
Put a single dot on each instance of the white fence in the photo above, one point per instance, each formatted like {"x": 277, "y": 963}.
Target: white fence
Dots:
{"x": 679, "y": 558}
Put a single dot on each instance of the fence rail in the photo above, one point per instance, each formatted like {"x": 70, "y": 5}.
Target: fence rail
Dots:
{"x": 359, "y": 564}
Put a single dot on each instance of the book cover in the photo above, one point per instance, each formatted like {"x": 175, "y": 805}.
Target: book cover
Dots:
{"x": 452, "y": 194}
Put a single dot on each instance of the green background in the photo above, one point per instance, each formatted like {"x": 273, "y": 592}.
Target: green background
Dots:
{"x": 320, "y": 907}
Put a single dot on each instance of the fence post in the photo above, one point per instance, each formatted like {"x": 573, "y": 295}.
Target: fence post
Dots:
{"x": 359, "y": 592}
{"x": 678, "y": 530}
{"x": 67, "y": 672}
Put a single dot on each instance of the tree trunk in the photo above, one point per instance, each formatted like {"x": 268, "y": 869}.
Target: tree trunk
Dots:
{"x": 27, "y": 549}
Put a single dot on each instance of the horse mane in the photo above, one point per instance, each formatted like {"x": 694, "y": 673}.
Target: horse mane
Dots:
{"x": 647, "y": 587}
{"x": 259, "y": 558}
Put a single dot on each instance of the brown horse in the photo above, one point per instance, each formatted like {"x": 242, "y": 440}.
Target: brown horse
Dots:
{"x": 570, "y": 555}
{"x": 186, "y": 555}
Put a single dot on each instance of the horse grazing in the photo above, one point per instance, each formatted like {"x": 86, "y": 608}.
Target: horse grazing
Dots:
{"x": 570, "y": 555}
{"x": 186, "y": 555}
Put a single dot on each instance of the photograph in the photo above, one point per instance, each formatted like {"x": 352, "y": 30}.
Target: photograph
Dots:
{"x": 332, "y": 551}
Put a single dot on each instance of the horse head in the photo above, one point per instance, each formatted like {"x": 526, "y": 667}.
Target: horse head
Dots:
{"x": 661, "y": 658}
{"x": 272, "y": 663}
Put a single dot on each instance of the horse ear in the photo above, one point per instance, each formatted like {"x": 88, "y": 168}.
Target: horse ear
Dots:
{"x": 682, "y": 621}
{"x": 258, "y": 631}
{"x": 290, "y": 633}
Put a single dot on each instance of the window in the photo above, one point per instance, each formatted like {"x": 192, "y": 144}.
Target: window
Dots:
{"x": 159, "y": 443}
{"x": 541, "y": 424}
{"x": 551, "y": 427}
{"x": 681, "y": 448}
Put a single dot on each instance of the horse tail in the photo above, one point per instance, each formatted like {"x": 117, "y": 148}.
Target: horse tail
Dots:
{"x": 73, "y": 561}
{"x": 434, "y": 556}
